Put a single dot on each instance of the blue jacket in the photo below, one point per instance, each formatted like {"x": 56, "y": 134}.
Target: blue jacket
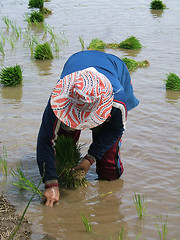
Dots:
{"x": 124, "y": 100}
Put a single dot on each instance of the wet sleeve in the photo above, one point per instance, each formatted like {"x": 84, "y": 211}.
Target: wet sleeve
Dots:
{"x": 108, "y": 134}
{"x": 45, "y": 144}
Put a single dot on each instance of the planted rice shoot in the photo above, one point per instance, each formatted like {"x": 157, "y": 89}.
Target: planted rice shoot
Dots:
{"x": 163, "y": 230}
{"x": 120, "y": 237}
{"x": 140, "y": 205}
{"x": 172, "y": 82}
{"x": 22, "y": 181}
{"x": 68, "y": 155}
{"x": 157, "y": 5}
{"x": 132, "y": 64}
{"x": 3, "y": 163}
{"x": 7, "y": 21}
{"x": 43, "y": 51}
{"x": 11, "y": 76}
{"x": 97, "y": 44}
{"x": 26, "y": 208}
{"x": 81, "y": 39}
{"x": 2, "y": 48}
{"x": 129, "y": 43}
{"x": 87, "y": 222}
{"x": 36, "y": 17}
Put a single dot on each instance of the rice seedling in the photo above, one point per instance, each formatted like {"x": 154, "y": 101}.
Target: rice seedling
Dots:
{"x": 87, "y": 223}
{"x": 132, "y": 64}
{"x": 26, "y": 208}
{"x": 140, "y": 205}
{"x": 2, "y": 48}
{"x": 43, "y": 51}
{"x": 7, "y": 21}
{"x": 36, "y": 4}
{"x": 157, "y": 5}
{"x": 36, "y": 17}
{"x": 68, "y": 155}
{"x": 12, "y": 41}
{"x": 97, "y": 44}
{"x": 164, "y": 230}
{"x": 31, "y": 41}
{"x": 129, "y": 43}
{"x": 81, "y": 39}
{"x": 3, "y": 163}
{"x": 172, "y": 82}
{"x": 11, "y": 76}
{"x": 22, "y": 181}
{"x": 16, "y": 30}
{"x": 120, "y": 237}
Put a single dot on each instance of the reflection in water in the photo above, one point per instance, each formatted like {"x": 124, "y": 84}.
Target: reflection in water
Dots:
{"x": 157, "y": 13}
{"x": 44, "y": 66}
{"x": 12, "y": 93}
{"x": 131, "y": 52}
{"x": 172, "y": 96}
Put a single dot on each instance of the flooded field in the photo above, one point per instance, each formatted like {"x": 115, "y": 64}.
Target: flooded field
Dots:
{"x": 151, "y": 143}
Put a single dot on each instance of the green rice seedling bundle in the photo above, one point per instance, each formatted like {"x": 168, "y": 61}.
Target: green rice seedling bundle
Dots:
{"x": 172, "y": 82}
{"x": 132, "y": 64}
{"x": 130, "y": 43}
{"x": 68, "y": 155}
{"x": 157, "y": 5}
{"x": 11, "y": 76}
{"x": 45, "y": 11}
{"x": 36, "y": 4}
{"x": 23, "y": 182}
{"x": 36, "y": 17}
{"x": 43, "y": 51}
{"x": 97, "y": 44}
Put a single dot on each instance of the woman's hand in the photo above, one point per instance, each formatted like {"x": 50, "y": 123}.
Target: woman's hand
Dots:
{"x": 83, "y": 165}
{"x": 51, "y": 196}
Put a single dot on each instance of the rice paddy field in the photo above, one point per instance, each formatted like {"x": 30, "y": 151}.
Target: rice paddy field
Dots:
{"x": 151, "y": 143}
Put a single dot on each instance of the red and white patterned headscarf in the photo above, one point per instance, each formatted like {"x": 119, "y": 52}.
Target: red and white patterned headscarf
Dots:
{"x": 82, "y": 99}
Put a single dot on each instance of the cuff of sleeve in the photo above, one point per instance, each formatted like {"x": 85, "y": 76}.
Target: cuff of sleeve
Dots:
{"x": 90, "y": 158}
{"x": 51, "y": 183}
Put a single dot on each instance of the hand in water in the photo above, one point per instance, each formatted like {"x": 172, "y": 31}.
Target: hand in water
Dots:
{"x": 51, "y": 196}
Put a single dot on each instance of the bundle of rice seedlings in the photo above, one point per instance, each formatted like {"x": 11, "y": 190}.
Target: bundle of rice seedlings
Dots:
{"x": 43, "y": 51}
{"x": 132, "y": 64}
{"x": 68, "y": 155}
{"x": 157, "y": 5}
{"x": 172, "y": 82}
{"x": 36, "y": 17}
{"x": 45, "y": 11}
{"x": 11, "y": 76}
{"x": 130, "y": 43}
{"x": 36, "y": 4}
{"x": 97, "y": 44}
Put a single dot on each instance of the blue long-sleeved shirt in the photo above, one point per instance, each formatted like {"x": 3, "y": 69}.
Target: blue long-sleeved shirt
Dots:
{"x": 124, "y": 100}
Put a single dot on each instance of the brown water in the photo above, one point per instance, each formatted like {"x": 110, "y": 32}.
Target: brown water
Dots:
{"x": 151, "y": 143}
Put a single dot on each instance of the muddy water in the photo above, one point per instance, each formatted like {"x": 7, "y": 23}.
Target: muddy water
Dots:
{"x": 151, "y": 143}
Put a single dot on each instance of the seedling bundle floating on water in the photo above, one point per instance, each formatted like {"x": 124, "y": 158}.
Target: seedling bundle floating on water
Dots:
{"x": 157, "y": 5}
{"x": 68, "y": 155}
{"x": 11, "y": 76}
{"x": 36, "y": 17}
{"x": 39, "y": 4}
{"x": 129, "y": 43}
{"x": 132, "y": 64}
{"x": 43, "y": 51}
{"x": 97, "y": 44}
{"x": 172, "y": 82}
